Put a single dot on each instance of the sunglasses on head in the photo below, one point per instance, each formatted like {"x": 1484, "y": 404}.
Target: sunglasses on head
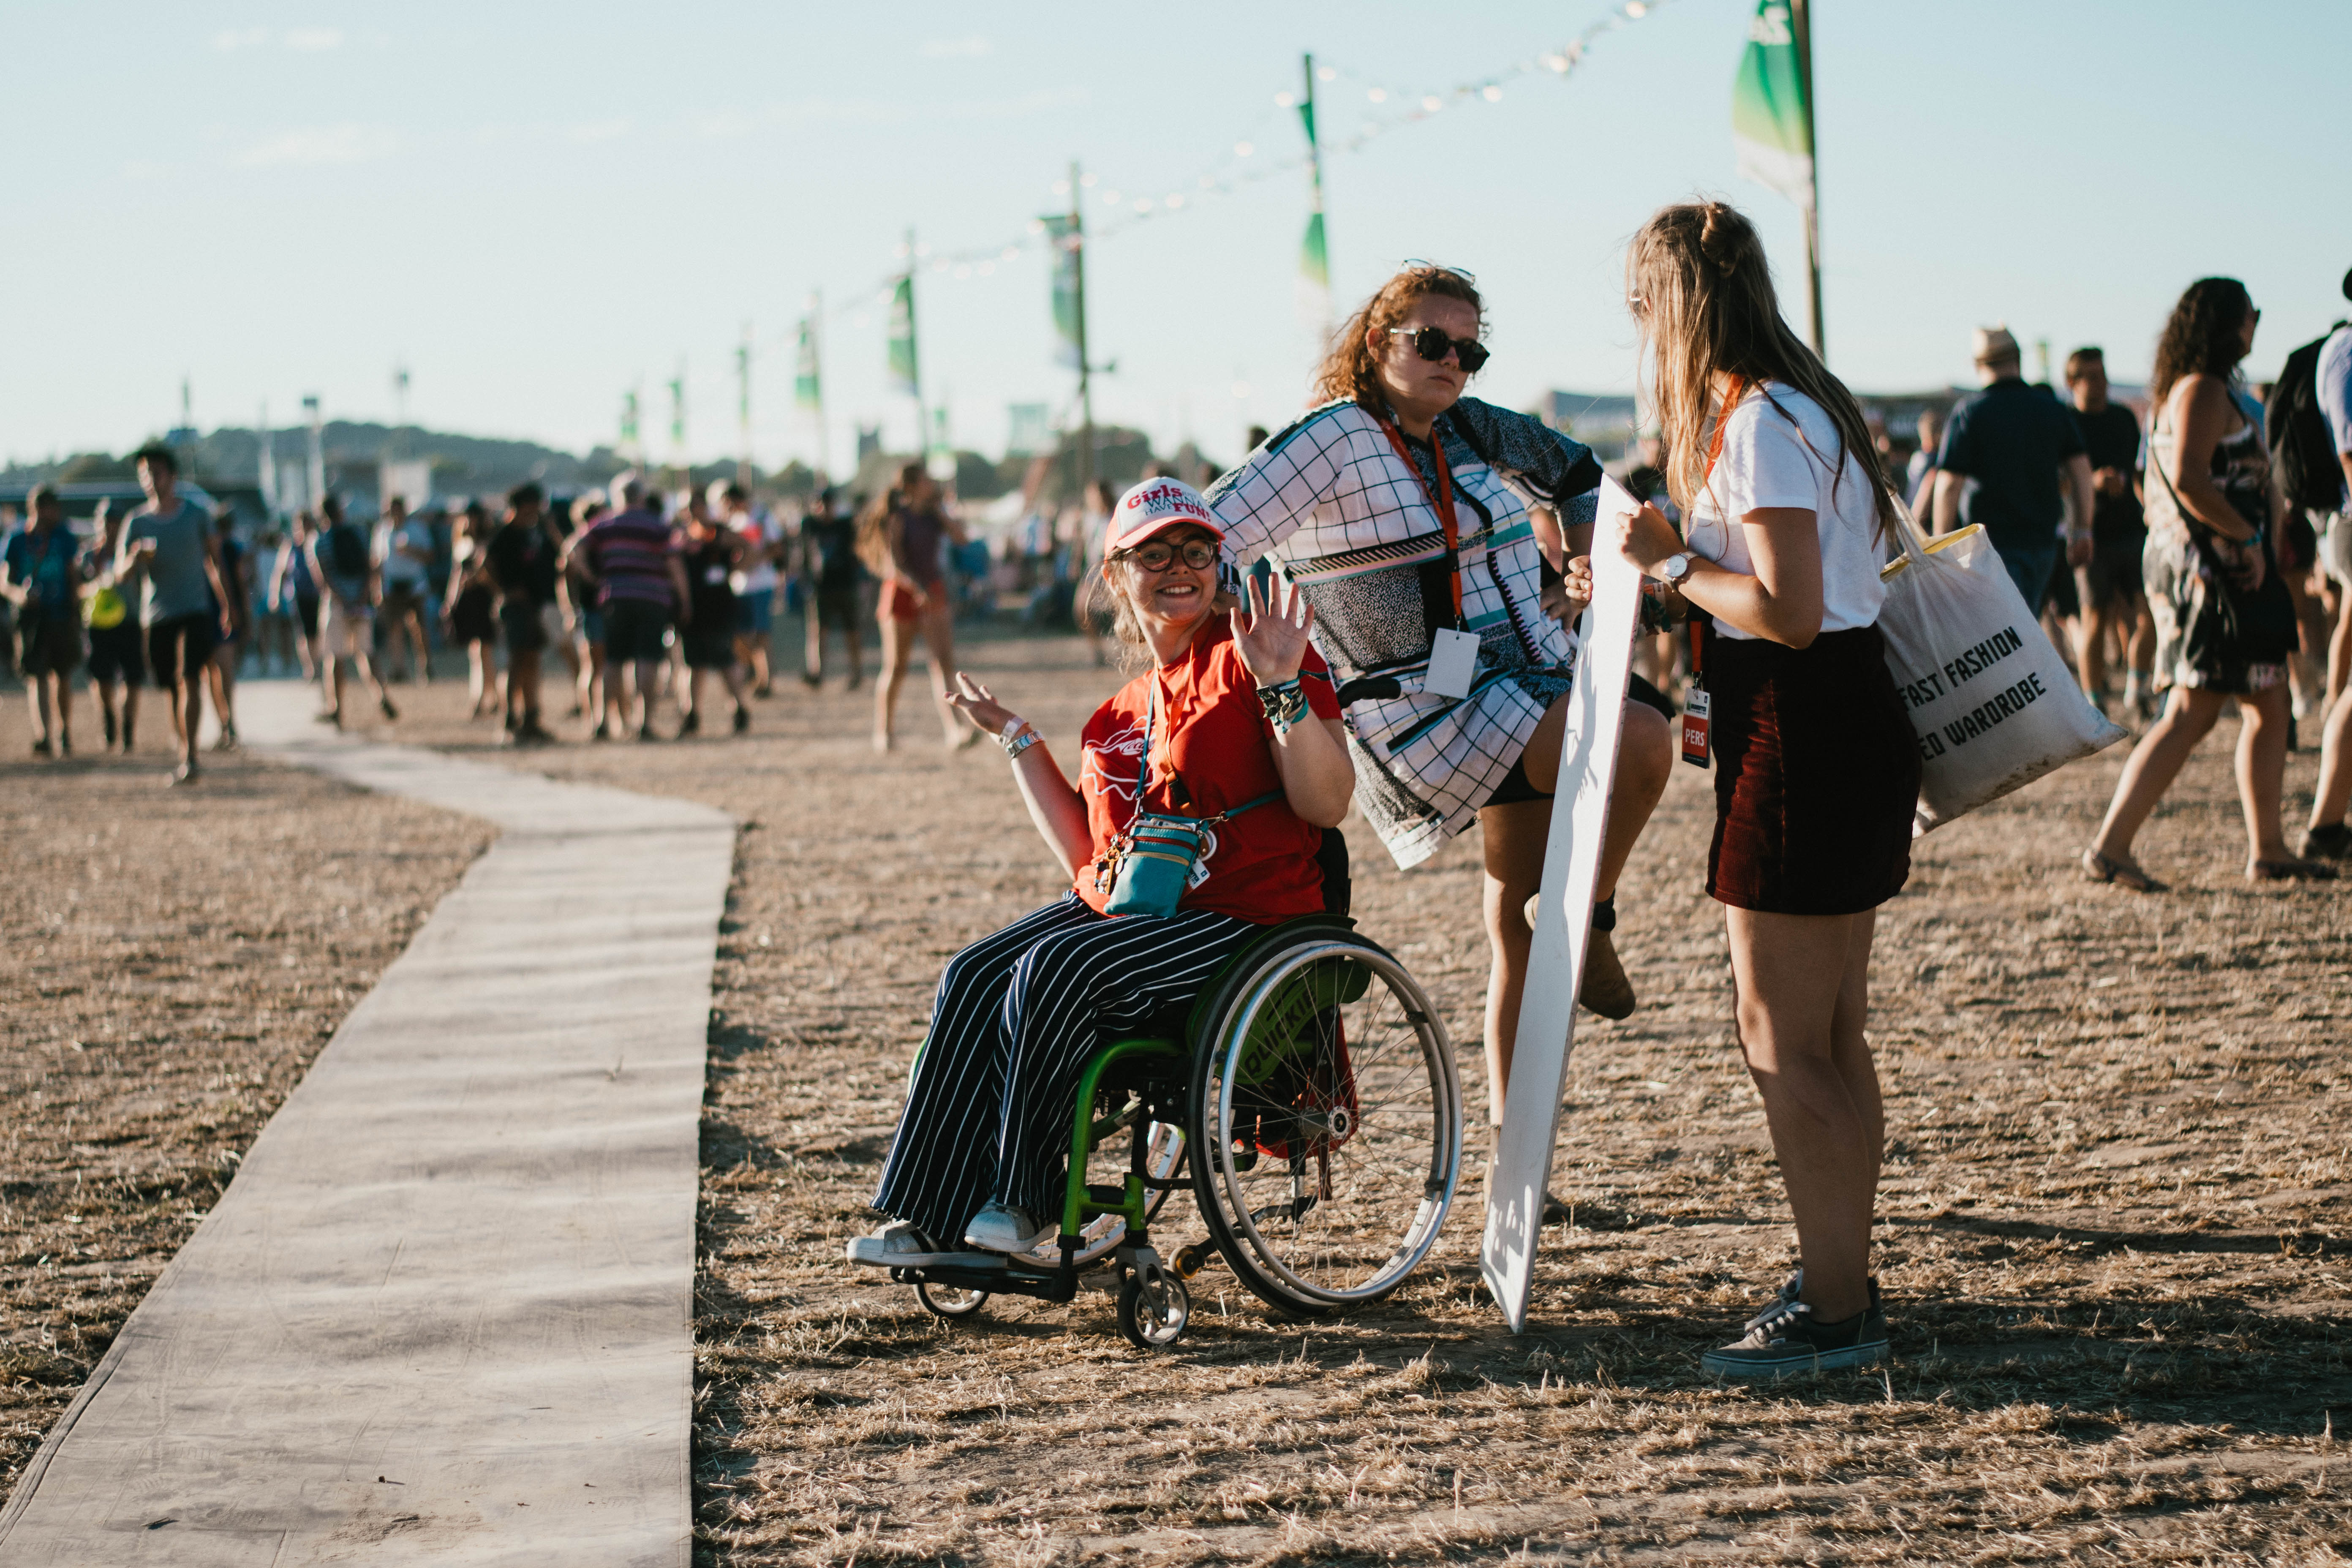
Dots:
{"x": 1159, "y": 554}
{"x": 1432, "y": 344}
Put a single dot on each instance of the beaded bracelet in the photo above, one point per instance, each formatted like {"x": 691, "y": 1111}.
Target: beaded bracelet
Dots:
{"x": 1021, "y": 742}
{"x": 1285, "y": 704}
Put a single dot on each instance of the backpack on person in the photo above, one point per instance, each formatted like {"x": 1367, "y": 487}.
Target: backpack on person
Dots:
{"x": 348, "y": 551}
{"x": 2303, "y": 450}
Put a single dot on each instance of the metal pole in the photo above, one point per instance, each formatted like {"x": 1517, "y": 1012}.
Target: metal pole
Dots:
{"x": 743, "y": 407}
{"x": 915, "y": 361}
{"x": 816, "y": 351}
{"x": 1085, "y": 365}
{"x": 1802, "y": 27}
{"x": 318, "y": 452}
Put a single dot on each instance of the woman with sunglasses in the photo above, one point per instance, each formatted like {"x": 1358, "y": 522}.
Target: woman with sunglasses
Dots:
{"x": 1233, "y": 721}
{"x": 1396, "y": 509}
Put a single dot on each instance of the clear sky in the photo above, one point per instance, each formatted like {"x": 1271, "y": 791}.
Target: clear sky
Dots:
{"x": 535, "y": 208}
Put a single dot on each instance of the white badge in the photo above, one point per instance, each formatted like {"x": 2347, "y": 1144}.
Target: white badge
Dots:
{"x": 1453, "y": 664}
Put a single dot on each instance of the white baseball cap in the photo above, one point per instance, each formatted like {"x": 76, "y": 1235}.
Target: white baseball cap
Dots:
{"x": 1153, "y": 507}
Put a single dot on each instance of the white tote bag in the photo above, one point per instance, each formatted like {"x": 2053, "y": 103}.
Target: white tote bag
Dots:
{"x": 1993, "y": 705}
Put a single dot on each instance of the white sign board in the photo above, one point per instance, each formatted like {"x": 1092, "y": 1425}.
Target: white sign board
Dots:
{"x": 1579, "y": 815}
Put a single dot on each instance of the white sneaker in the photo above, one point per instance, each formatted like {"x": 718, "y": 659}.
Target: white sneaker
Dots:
{"x": 898, "y": 1245}
{"x": 1001, "y": 1227}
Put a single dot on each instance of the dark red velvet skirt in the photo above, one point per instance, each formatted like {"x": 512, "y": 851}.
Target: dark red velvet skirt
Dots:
{"x": 1816, "y": 775}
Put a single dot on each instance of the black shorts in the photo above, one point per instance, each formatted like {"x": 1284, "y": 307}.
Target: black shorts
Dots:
{"x": 837, "y": 604}
{"x": 1517, "y": 789}
{"x": 519, "y": 623}
{"x": 2059, "y": 594}
{"x": 48, "y": 643}
{"x": 634, "y": 629}
{"x": 711, "y": 645}
{"x": 117, "y": 653}
{"x": 178, "y": 637}
{"x": 306, "y": 614}
{"x": 2115, "y": 582}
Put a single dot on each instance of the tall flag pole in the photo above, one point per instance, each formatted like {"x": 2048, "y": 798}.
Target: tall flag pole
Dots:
{"x": 1066, "y": 232}
{"x": 905, "y": 369}
{"x": 1773, "y": 124}
{"x": 743, "y": 405}
{"x": 632, "y": 450}
{"x": 678, "y": 415}
{"x": 808, "y": 383}
{"x": 1313, "y": 253}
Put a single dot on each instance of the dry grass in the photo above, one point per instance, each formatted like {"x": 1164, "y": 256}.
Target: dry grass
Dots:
{"x": 170, "y": 962}
{"x": 2115, "y": 1228}
{"x": 2116, "y": 1221}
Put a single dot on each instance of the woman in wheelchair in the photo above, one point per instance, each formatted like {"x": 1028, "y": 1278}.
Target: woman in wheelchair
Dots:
{"x": 1234, "y": 726}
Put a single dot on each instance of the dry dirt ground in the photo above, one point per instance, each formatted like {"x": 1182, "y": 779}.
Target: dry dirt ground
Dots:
{"x": 170, "y": 962}
{"x": 2115, "y": 1217}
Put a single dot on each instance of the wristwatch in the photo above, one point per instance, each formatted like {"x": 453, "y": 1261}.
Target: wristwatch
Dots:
{"x": 1674, "y": 568}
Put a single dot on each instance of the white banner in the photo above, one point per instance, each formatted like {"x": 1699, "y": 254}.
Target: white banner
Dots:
{"x": 1588, "y": 768}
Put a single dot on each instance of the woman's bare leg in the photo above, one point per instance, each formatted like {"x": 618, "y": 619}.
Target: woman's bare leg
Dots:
{"x": 2262, "y": 770}
{"x": 898, "y": 648}
{"x": 2155, "y": 763}
{"x": 1802, "y": 994}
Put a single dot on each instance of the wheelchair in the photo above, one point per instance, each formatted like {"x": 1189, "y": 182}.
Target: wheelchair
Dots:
{"x": 1308, "y": 1099}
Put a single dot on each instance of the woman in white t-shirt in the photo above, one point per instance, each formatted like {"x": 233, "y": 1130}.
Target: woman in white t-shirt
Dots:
{"x": 1817, "y": 769}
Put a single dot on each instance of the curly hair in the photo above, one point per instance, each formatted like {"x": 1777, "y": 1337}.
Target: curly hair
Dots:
{"x": 2203, "y": 336}
{"x": 1351, "y": 373}
{"x": 1702, "y": 293}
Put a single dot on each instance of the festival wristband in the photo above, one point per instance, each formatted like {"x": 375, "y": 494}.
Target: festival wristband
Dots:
{"x": 1013, "y": 727}
{"x": 1284, "y": 704}
{"x": 1020, "y": 743}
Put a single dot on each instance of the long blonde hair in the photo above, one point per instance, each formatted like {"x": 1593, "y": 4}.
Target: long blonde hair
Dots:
{"x": 1702, "y": 294}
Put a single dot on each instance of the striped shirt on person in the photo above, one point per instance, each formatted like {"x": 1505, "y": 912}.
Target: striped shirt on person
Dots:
{"x": 629, "y": 554}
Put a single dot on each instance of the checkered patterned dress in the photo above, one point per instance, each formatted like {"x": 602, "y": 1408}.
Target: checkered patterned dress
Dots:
{"x": 1340, "y": 514}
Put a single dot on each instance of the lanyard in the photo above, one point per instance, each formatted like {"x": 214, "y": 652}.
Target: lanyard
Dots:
{"x": 1714, "y": 451}
{"x": 1442, "y": 501}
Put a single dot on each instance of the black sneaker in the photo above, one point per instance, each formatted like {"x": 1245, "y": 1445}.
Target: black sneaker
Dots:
{"x": 742, "y": 719}
{"x": 690, "y": 725}
{"x": 109, "y": 731}
{"x": 2332, "y": 842}
{"x": 1783, "y": 1341}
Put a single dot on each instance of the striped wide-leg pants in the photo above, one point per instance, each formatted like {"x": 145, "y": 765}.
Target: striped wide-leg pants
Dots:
{"x": 1018, "y": 1013}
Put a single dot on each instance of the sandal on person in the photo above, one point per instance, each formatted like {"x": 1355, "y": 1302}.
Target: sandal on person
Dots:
{"x": 2289, "y": 871}
{"x": 2124, "y": 872}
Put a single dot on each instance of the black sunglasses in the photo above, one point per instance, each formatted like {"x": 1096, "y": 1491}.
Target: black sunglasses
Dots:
{"x": 1158, "y": 555}
{"x": 1432, "y": 344}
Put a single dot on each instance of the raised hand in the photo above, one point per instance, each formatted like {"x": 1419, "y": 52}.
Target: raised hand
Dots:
{"x": 1272, "y": 637}
{"x": 979, "y": 705}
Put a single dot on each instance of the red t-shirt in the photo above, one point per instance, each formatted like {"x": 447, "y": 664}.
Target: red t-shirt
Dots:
{"x": 1212, "y": 749}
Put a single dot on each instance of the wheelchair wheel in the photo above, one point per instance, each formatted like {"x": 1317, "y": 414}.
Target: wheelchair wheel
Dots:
{"x": 1327, "y": 1122}
{"x": 949, "y": 1302}
{"x": 1154, "y": 1308}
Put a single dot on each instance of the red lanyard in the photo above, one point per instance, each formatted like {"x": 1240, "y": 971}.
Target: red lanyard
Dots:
{"x": 1713, "y": 452}
{"x": 1442, "y": 500}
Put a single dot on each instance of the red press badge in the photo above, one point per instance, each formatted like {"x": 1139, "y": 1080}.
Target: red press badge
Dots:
{"x": 1694, "y": 705}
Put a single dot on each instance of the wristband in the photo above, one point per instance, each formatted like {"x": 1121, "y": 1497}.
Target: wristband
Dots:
{"x": 1285, "y": 704}
{"x": 1012, "y": 726}
{"x": 1020, "y": 743}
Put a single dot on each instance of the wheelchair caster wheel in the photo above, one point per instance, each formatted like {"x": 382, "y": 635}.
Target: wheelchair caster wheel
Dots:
{"x": 950, "y": 1301}
{"x": 1154, "y": 1308}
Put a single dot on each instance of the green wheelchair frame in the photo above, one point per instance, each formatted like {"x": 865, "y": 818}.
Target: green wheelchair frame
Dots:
{"x": 1131, "y": 1083}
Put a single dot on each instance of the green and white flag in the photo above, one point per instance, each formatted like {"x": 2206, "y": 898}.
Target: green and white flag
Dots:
{"x": 1314, "y": 254}
{"x": 629, "y": 423}
{"x": 678, "y": 412}
{"x": 1771, "y": 122}
{"x": 807, "y": 390}
{"x": 902, "y": 337}
{"x": 1064, "y": 232}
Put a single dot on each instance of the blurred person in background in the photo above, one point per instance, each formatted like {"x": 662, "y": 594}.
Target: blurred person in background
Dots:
{"x": 294, "y": 585}
{"x": 830, "y": 579}
{"x": 41, "y": 580}
{"x": 469, "y": 611}
{"x": 1090, "y": 602}
{"x": 236, "y": 623}
{"x": 903, "y": 537}
{"x": 405, "y": 559}
{"x": 342, "y": 559}
{"x": 2223, "y": 621}
{"x": 2114, "y": 600}
{"x": 714, "y": 553}
{"x": 524, "y": 556}
{"x": 761, "y": 534}
{"x": 2327, "y": 837}
{"x": 587, "y": 624}
{"x": 118, "y": 657}
{"x": 167, "y": 549}
{"x": 1919, "y": 473}
{"x": 629, "y": 559}
{"x": 2018, "y": 443}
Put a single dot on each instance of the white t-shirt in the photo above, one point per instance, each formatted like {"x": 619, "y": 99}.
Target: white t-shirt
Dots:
{"x": 760, "y": 530}
{"x": 1767, "y": 462}
{"x": 401, "y": 571}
